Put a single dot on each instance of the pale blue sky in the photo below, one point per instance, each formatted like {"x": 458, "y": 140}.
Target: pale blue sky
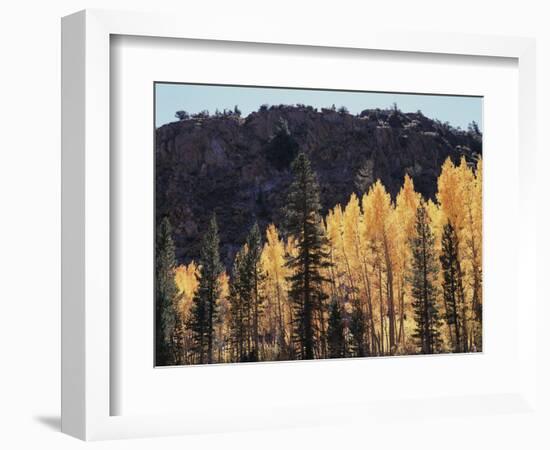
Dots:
{"x": 458, "y": 111}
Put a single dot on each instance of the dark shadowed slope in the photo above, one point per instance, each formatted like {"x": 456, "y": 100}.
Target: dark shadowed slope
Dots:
{"x": 239, "y": 167}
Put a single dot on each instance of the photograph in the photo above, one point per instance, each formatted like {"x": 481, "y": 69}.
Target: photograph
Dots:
{"x": 300, "y": 224}
{"x": 262, "y": 226}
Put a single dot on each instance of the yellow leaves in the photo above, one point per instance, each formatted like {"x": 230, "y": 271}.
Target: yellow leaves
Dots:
{"x": 334, "y": 225}
{"x": 352, "y": 226}
{"x": 404, "y": 216}
{"x": 272, "y": 236}
{"x": 456, "y": 190}
{"x": 437, "y": 222}
{"x": 273, "y": 263}
{"x": 478, "y": 189}
{"x": 352, "y": 214}
{"x": 376, "y": 208}
{"x": 273, "y": 260}
{"x": 223, "y": 300}
{"x": 370, "y": 255}
{"x": 186, "y": 278}
{"x": 187, "y": 284}
{"x": 477, "y": 205}
{"x": 224, "y": 285}
{"x": 291, "y": 248}
{"x": 460, "y": 199}
{"x": 335, "y": 235}
{"x": 273, "y": 255}
{"x": 406, "y": 203}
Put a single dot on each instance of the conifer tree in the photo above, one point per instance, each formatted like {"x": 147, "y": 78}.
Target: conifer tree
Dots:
{"x": 357, "y": 328}
{"x": 335, "y": 333}
{"x": 239, "y": 300}
{"x": 204, "y": 308}
{"x": 303, "y": 222}
{"x": 424, "y": 272}
{"x": 166, "y": 317}
{"x": 246, "y": 297}
{"x": 257, "y": 278}
{"x": 453, "y": 291}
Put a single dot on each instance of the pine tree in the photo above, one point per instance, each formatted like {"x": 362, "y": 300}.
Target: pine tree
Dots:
{"x": 335, "y": 333}
{"x": 246, "y": 297}
{"x": 204, "y": 308}
{"x": 424, "y": 272}
{"x": 303, "y": 222}
{"x": 357, "y": 328}
{"x": 453, "y": 291}
{"x": 239, "y": 300}
{"x": 166, "y": 317}
{"x": 257, "y": 278}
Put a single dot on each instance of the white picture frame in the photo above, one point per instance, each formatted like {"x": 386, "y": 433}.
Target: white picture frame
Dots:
{"x": 86, "y": 218}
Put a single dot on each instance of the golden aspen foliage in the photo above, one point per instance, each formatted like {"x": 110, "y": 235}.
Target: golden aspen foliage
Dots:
{"x": 273, "y": 256}
{"x": 351, "y": 220}
{"x": 187, "y": 284}
{"x": 224, "y": 285}
{"x": 370, "y": 259}
{"x": 477, "y": 210}
{"x": 274, "y": 266}
{"x": 333, "y": 229}
{"x": 378, "y": 231}
{"x": 437, "y": 222}
{"x": 451, "y": 195}
{"x": 404, "y": 215}
{"x": 342, "y": 278}
{"x": 406, "y": 202}
{"x": 222, "y": 325}
{"x": 351, "y": 239}
{"x": 376, "y": 208}
{"x": 460, "y": 198}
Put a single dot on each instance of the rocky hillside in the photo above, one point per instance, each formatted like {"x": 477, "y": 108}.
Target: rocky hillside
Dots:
{"x": 240, "y": 167}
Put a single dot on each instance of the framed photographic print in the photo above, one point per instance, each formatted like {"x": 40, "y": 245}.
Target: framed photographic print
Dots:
{"x": 278, "y": 244}
{"x": 289, "y": 228}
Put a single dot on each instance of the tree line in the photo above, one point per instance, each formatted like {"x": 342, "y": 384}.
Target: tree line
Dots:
{"x": 374, "y": 277}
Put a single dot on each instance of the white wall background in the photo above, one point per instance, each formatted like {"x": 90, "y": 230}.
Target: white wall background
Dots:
{"x": 30, "y": 202}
